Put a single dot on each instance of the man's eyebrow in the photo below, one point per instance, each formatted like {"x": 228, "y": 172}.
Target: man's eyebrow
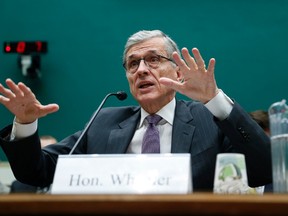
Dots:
{"x": 149, "y": 51}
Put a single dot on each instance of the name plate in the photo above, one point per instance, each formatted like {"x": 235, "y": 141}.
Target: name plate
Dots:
{"x": 123, "y": 174}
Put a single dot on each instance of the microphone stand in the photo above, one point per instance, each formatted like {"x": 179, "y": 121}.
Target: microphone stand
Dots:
{"x": 90, "y": 122}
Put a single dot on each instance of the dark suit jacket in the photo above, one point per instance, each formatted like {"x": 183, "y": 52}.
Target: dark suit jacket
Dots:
{"x": 195, "y": 131}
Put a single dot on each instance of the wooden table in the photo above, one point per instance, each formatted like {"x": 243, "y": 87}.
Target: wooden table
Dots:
{"x": 192, "y": 204}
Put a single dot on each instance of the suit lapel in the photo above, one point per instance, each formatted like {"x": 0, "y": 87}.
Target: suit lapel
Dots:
{"x": 183, "y": 130}
{"x": 120, "y": 138}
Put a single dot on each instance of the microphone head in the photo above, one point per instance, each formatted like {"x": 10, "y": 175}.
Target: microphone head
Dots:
{"x": 121, "y": 95}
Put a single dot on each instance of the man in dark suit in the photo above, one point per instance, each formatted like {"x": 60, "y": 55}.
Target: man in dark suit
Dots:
{"x": 155, "y": 72}
{"x": 19, "y": 187}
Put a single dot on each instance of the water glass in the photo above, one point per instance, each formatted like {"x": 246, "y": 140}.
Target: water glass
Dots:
{"x": 231, "y": 175}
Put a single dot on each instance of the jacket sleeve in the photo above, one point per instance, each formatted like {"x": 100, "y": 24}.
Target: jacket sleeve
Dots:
{"x": 248, "y": 138}
{"x": 28, "y": 162}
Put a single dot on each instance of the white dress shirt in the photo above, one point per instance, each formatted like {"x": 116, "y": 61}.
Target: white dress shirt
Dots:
{"x": 164, "y": 126}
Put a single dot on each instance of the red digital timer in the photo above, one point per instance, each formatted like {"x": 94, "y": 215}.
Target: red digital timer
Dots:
{"x": 25, "y": 47}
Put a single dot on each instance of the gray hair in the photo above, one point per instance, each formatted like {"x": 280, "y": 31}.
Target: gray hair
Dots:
{"x": 144, "y": 35}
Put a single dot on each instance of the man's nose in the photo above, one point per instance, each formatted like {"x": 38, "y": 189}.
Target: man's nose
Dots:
{"x": 142, "y": 66}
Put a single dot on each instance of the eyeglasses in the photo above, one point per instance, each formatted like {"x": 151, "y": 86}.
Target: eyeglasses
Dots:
{"x": 152, "y": 61}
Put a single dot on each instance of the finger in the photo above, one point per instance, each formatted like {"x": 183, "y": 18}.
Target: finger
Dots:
{"x": 180, "y": 62}
{"x": 176, "y": 85}
{"x": 7, "y": 92}
{"x": 211, "y": 66}
{"x": 3, "y": 100}
{"x": 25, "y": 89}
{"x": 199, "y": 60}
{"x": 50, "y": 108}
{"x": 189, "y": 59}
{"x": 14, "y": 88}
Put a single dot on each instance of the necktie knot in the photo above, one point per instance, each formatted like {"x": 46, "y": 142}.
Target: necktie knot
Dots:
{"x": 153, "y": 119}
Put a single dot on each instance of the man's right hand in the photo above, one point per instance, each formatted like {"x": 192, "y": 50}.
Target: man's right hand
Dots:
{"x": 21, "y": 101}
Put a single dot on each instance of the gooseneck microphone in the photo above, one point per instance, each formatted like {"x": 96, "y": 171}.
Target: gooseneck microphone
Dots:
{"x": 121, "y": 95}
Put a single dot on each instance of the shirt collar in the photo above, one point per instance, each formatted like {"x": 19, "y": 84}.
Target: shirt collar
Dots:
{"x": 167, "y": 113}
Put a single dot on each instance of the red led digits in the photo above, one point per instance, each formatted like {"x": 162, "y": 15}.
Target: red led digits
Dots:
{"x": 38, "y": 46}
{"x": 25, "y": 47}
{"x": 21, "y": 47}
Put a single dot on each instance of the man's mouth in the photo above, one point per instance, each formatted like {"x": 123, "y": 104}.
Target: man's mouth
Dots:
{"x": 146, "y": 85}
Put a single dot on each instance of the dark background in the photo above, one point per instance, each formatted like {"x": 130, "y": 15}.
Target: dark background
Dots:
{"x": 85, "y": 39}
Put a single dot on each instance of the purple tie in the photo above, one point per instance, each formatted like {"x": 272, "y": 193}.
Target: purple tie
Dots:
{"x": 151, "y": 139}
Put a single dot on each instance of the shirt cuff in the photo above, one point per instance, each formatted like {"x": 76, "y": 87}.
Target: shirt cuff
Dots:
{"x": 220, "y": 106}
{"x": 23, "y": 130}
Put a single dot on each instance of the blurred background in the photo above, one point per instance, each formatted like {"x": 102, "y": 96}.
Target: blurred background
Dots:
{"x": 248, "y": 38}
